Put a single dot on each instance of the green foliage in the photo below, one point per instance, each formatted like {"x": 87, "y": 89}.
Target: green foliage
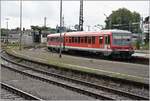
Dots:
{"x": 138, "y": 45}
{"x": 4, "y": 32}
{"x": 124, "y": 19}
{"x": 146, "y": 46}
{"x": 43, "y": 28}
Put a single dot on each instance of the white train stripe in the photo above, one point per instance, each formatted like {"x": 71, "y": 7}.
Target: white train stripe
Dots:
{"x": 82, "y": 48}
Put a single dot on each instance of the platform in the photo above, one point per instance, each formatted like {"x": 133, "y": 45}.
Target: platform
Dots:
{"x": 124, "y": 70}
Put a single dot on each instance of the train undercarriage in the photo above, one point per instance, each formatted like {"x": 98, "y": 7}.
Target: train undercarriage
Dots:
{"x": 110, "y": 54}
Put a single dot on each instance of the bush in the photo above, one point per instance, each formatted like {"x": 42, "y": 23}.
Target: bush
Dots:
{"x": 146, "y": 46}
{"x": 138, "y": 45}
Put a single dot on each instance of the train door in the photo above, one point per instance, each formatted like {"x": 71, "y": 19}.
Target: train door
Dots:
{"x": 64, "y": 41}
{"x": 106, "y": 41}
{"x": 101, "y": 41}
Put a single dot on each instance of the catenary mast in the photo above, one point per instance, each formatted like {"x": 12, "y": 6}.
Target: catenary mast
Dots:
{"x": 81, "y": 16}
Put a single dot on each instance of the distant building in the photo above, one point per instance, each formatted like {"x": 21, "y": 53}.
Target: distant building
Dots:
{"x": 40, "y": 36}
{"x": 146, "y": 28}
{"x": 14, "y": 36}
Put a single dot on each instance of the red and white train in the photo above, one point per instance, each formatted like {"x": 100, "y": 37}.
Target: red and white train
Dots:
{"x": 107, "y": 42}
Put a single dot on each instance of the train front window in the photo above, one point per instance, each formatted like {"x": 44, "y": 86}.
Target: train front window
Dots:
{"x": 121, "y": 39}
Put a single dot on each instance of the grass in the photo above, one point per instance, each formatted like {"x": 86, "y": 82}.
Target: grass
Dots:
{"x": 146, "y": 46}
{"x": 60, "y": 63}
{"x": 138, "y": 45}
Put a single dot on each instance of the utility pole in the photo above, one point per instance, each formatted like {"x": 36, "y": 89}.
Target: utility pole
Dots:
{"x": 7, "y": 30}
{"x": 63, "y": 24}
{"x": 60, "y": 28}
{"x": 81, "y": 16}
{"x": 142, "y": 30}
{"x": 20, "y": 41}
{"x": 45, "y": 21}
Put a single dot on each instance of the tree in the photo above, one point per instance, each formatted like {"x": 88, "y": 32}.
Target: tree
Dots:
{"x": 123, "y": 19}
{"x": 4, "y": 32}
{"x": 43, "y": 28}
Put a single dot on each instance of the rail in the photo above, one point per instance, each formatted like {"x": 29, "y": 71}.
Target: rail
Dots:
{"x": 19, "y": 92}
{"x": 100, "y": 87}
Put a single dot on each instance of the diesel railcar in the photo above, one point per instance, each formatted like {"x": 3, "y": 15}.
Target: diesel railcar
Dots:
{"x": 115, "y": 43}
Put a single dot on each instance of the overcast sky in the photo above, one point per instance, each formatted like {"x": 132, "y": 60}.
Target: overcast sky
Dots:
{"x": 35, "y": 11}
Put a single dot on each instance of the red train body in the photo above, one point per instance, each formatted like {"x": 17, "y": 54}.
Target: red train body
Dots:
{"x": 107, "y": 42}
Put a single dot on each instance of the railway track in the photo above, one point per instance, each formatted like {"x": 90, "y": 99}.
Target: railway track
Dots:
{"x": 61, "y": 84}
{"x": 90, "y": 89}
{"x": 15, "y": 93}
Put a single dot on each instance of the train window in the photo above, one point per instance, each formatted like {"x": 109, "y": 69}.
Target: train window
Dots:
{"x": 66, "y": 40}
{"x": 85, "y": 39}
{"x": 52, "y": 39}
{"x": 70, "y": 40}
{"x": 107, "y": 39}
{"x": 78, "y": 39}
{"x": 82, "y": 40}
{"x": 101, "y": 39}
{"x": 57, "y": 39}
{"x": 75, "y": 40}
{"x": 93, "y": 39}
{"x": 89, "y": 40}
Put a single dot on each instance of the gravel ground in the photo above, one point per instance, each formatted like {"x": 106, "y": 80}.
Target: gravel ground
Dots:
{"x": 39, "y": 88}
{"x": 6, "y": 95}
{"x": 92, "y": 80}
{"x": 136, "y": 70}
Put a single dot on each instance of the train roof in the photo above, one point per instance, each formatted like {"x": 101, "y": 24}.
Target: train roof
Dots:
{"x": 82, "y": 33}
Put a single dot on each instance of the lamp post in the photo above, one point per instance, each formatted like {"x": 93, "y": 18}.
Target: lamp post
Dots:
{"x": 20, "y": 41}
{"x": 60, "y": 55}
{"x": 142, "y": 28}
{"x": 7, "y": 30}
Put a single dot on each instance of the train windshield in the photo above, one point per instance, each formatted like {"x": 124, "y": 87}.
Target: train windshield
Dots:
{"x": 121, "y": 39}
